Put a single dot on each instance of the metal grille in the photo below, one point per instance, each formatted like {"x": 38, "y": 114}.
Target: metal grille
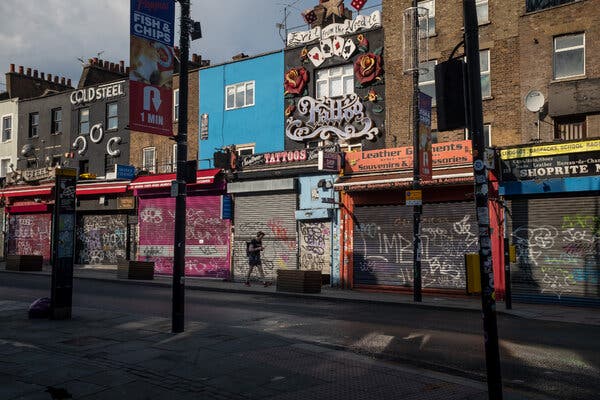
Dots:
{"x": 558, "y": 249}
{"x": 274, "y": 215}
{"x": 383, "y": 245}
{"x": 30, "y": 234}
{"x": 101, "y": 239}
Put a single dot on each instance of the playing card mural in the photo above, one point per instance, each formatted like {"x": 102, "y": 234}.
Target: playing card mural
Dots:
{"x": 334, "y": 80}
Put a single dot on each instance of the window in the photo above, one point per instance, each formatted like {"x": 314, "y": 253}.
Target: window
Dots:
{"x": 34, "y": 124}
{"x": 56, "y": 115}
{"x": 483, "y": 16}
{"x": 569, "y": 56}
{"x": 4, "y": 167}
{"x": 109, "y": 163}
{"x": 487, "y": 135}
{"x": 149, "y": 159}
{"x": 245, "y": 149}
{"x": 174, "y": 159}
{"x": 427, "y": 79}
{"x": 84, "y": 166}
{"x": 430, "y": 6}
{"x": 112, "y": 116}
{"x": 569, "y": 128}
{"x": 336, "y": 81}
{"x": 536, "y": 5}
{"x": 484, "y": 67}
{"x": 175, "y": 104}
{"x": 239, "y": 95}
{"x": 6, "y": 128}
{"x": 84, "y": 121}
{"x": 56, "y": 161}
{"x": 349, "y": 148}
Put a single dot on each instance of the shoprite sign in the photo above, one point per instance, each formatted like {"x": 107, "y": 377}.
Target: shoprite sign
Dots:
{"x": 401, "y": 158}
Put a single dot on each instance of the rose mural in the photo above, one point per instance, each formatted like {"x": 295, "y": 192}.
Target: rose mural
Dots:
{"x": 295, "y": 81}
{"x": 367, "y": 68}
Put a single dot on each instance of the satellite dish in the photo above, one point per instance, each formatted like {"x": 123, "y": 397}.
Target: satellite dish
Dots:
{"x": 534, "y": 101}
{"x": 27, "y": 150}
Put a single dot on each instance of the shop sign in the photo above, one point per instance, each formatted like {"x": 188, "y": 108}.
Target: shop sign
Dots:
{"x": 556, "y": 166}
{"x": 550, "y": 149}
{"x": 125, "y": 203}
{"x": 281, "y": 157}
{"x": 104, "y": 92}
{"x": 125, "y": 171}
{"x": 342, "y": 117}
{"x": 401, "y": 158}
{"x": 338, "y": 29}
{"x": 35, "y": 175}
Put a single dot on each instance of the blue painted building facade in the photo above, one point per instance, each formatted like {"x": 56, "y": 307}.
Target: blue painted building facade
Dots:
{"x": 241, "y": 104}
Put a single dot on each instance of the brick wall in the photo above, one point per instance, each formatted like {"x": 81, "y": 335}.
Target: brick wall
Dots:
{"x": 500, "y": 36}
{"x": 164, "y": 145}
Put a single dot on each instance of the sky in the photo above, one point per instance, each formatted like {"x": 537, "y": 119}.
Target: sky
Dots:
{"x": 51, "y": 35}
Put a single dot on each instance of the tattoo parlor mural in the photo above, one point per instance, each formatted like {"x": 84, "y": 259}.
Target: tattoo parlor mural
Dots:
{"x": 334, "y": 81}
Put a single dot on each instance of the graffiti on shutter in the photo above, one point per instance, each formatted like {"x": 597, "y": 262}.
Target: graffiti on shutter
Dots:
{"x": 101, "y": 239}
{"x": 315, "y": 246}
{"x": 29, "y": 234}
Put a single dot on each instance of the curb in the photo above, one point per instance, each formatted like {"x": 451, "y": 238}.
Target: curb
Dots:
{"x": 272, "y": 294}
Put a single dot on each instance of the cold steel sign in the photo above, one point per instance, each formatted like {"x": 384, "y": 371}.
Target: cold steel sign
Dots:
{"x": 152, "y": 64}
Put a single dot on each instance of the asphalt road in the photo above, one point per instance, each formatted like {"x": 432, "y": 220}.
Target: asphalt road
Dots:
{"x": 554, "y": 359}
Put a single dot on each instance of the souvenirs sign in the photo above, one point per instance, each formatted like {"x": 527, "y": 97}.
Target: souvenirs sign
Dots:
{"x": 342, "y": 117}
{"x": 401, "y": 158}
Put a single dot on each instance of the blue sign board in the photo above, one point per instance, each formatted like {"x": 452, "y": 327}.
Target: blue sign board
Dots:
{"x": 125, "y": 172}
{"x": 153, "y": 20}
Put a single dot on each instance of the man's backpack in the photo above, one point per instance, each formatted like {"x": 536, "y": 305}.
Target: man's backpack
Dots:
{"x": 248, "y": 247}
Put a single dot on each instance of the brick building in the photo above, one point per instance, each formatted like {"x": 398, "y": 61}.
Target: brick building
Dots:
{"x": 525, "y": 45}
{"x": 156, "y": 153}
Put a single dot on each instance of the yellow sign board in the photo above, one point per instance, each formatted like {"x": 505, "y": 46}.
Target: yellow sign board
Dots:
{"x": 550, "y": 150}
{"x": 414, "y": 197}
{"x": 66, "y": 172}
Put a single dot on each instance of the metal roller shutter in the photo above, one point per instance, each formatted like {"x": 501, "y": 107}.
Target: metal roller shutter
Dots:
{"x": 315, "y": 246}
{"x": 101, "y": 239}
{"x": 207, "y": 236}
{"x": 30, "y": 234}
{"x": 558, "y": 249}
{"x": 383, "y": 246}
{"x": 274, "y": 214}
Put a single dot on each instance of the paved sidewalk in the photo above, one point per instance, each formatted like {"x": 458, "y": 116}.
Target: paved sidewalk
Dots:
{"x": 578, "y": 315}
{"x": 100, "y": 355}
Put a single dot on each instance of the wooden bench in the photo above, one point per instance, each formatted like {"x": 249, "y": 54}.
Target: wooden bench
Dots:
{"x": 298, "y": 281}
{"x": 143, "y": 270}
{"x": 23, "y": 262}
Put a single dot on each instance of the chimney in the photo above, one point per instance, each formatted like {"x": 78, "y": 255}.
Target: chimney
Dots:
{"x": 12, "y": 67}
{"x": 68, "y": 82}
{"x": 21, "y": 69}
{"x": 62, "y": 81}
{"x": 42, "y": 76}
{"x": 49, "y": 77}
{"x": 106, "y": 65}
{"x": 112, "y": 67}
{"x": 127, "y": 71}
{"x": 35, "y": 73}
{"x": 28, "y": 72}
{"x": 122, "y": 66}
{"x": 56, "y": 79}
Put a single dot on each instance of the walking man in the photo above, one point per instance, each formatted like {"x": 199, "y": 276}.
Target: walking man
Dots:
{"x": 253, "y": 251}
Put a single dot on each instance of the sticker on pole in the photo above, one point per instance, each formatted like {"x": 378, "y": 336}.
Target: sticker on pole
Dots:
{"x": 414, "y": 197}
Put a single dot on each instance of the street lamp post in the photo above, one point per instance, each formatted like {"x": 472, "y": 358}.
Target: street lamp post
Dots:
{"x": 178, "y": 304}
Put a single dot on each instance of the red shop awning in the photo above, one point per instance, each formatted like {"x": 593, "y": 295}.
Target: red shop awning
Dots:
{"x": 88, "y": 189}
{"x": 203, "y": 177}
{"x": 30, "y": 208}
{"x": 28, "y": 191}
